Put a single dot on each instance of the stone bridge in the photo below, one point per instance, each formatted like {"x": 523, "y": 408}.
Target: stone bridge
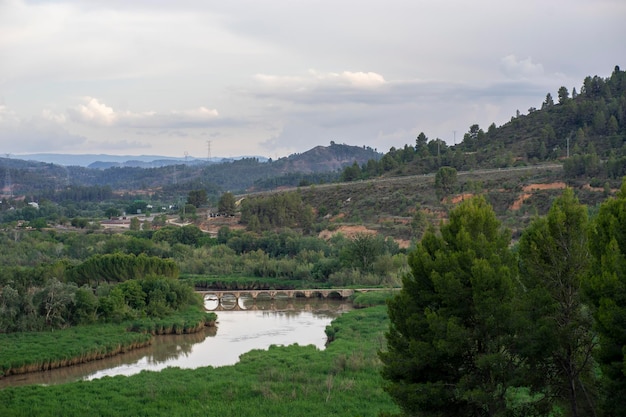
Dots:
{"x": 273, "y": 294}
{"x": 233, "y": 296}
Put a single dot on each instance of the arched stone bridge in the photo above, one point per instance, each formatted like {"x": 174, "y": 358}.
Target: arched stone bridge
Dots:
{"x": 272, "y": 294}
{"x": 233, "y": 296}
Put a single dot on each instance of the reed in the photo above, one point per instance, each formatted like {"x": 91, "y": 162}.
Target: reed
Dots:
{"x": 41, "y": 351}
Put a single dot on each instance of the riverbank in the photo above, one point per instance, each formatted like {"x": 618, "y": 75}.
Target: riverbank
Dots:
{"x": 342, "y": 380}
{"x": 42, "y": 351}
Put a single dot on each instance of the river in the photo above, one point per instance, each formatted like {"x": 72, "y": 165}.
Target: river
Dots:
{"x": 257, "y": 326}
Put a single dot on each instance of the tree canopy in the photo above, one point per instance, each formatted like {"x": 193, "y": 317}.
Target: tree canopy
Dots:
{"x": 451, "y": 324}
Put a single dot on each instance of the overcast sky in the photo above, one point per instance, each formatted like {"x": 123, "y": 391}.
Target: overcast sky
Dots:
{"x": 274, "y": 77}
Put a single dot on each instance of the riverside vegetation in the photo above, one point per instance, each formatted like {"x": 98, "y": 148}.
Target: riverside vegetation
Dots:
{"x": 481, "y": 326}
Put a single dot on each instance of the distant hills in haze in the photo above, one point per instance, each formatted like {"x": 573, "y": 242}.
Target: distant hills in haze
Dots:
{"x": 103, "y": 161}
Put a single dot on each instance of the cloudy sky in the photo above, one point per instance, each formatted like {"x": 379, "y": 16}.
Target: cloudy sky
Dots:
{"x": 274, "y": 77}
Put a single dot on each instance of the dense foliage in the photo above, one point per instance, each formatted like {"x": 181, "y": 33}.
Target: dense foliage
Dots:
{"x": 450, "y": 341}
{"x": 469, "y": 335}
{"x": 59, "y": 295}
{"x": 276, "y": 211}
{"x": 607, "y": 290}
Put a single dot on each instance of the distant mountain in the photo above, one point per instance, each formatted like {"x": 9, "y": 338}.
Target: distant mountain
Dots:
{"x": 327, "y": 158}
{"x": 103, "y": 161}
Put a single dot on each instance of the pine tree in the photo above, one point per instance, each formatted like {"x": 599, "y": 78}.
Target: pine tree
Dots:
{"x": 451, "y": 324}
{"x": 557, "y": 340}
{"x": 607, "y": 290}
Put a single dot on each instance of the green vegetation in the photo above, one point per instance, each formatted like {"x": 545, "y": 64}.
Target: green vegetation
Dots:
{"x": 39, "y": 351}
{"x": 50, "y": 297}
{"x": 557, "y": 339}
{"x": 470, "y": 335}
{"x": 450, "y": 342}
{"x": 372, "y": 298}
{"x": 293, "y": 380}
{"x": 607, "y": 290}
{"x": 276, "y": 211}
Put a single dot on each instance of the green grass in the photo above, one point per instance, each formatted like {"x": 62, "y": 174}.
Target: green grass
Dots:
{"x": 38, "y": 351}
{"x": 372, "y": 298}
{"x": 342, "y": 380}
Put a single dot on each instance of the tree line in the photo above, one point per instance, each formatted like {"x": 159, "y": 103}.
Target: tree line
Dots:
{"x": 103, "y": 288}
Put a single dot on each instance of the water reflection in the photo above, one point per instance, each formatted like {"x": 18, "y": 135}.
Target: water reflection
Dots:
{"x": 255, "y": 325}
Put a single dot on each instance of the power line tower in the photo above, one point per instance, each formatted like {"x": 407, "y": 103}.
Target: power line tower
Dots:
{"x": 208, "y": 144}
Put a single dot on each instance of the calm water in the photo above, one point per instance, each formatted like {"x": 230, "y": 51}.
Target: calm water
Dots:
{"x": 261, "y": 324}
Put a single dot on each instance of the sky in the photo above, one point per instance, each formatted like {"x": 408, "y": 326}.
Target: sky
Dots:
{"x": 271, "y": 78}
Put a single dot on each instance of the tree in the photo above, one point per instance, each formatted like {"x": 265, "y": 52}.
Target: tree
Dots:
{"x": 563, "y": 95}
{"x": 446, "y": 180}
{"x": 362, "y": 250}
{"x": 548, "y": 102}
{"x": 134, "y": 223}
{"x": 451, "y": 324}
{"x": 612, "y": 126}
{"x": 421, "y": 143}
{"x": 188, "y": 211}
{"x": 226, "y": 204}
{"x": 54, "y": 301}
{"x": 419, "y": 222}
{"x": 557, "y": 340}
{"x": 473, "y": 137}
{"x": 351, "y": 173}
{"x": 607, "y": 290}
{"x": 197, "y": 198}
{"x": 112, "y": 212}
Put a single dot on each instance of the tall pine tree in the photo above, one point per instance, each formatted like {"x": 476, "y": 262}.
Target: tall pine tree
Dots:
{"x": 557, "y": 341}
{"x": 607, "y": 290}
{"x": 451, "y": 324}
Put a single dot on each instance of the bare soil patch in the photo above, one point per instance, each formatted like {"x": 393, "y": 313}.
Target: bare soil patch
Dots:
{"x": 530, "y": 188}
{"x": 461, "y": 197}
{"x": 348, "y": 231}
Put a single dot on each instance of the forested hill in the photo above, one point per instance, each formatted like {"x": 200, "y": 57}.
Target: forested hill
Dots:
{"x": 320, "y": 164}
{"x": 587, "y": 125}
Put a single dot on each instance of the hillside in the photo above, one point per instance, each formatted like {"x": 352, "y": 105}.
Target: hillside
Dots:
{"x": 585, "y": 130}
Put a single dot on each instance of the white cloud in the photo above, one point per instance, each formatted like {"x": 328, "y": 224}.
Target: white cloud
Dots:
{"x": 516, "y": 68}
{"x": 354, "y": 79}
{"x": 37, "y": 134}
{"x": 315, "y": 79}
{"x": 51, "y": 116}
{"x": 7, "y": 117}
{"x": 93, "y": 112}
